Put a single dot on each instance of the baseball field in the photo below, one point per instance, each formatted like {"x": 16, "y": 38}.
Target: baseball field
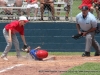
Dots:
{"x": 69, "y": 63}
{"x": 57, "y": 63}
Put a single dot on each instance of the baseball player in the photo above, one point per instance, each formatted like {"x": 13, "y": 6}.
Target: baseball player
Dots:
{"x": 88, "y": 23}
{"x": 9, "y": 33}
{"x": 37, "y": 53}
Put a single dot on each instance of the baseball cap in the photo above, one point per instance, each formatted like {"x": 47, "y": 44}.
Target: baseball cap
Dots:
{"x": 85, "y": 8}
{"x": 23, "y": 18}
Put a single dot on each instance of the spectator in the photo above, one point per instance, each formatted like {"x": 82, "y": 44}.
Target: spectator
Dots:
{"x": 32, "y": 3}
{"x": 9, "y": 33}
{"x": 86, "y": 25}
{"x": 87, "y": 3}
{"x": 67, "y": 8}
{"x": 58, "y": 10}
{"x": 9, "y": 3}
{"x": 49, "y": 4}
{"x": 97, "y": 8}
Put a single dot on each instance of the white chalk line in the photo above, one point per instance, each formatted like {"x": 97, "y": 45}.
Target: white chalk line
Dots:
{"x": 9, "y": 68}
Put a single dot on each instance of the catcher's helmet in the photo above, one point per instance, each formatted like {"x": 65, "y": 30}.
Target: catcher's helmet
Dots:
{"x": 41, "y": 54}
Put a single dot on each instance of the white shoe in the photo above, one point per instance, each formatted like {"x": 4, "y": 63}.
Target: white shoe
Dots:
{"x": 4, "y": 58}
{"x": 29, "y": 18}
{"x": 35, "y": 19}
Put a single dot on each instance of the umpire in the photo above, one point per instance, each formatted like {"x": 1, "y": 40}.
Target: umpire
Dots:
{"x": 86, "y": 23}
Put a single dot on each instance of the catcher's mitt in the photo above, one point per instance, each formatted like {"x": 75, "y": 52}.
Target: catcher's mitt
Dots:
{"x": 26, "y": 48}
{"x": 77, "y": 36}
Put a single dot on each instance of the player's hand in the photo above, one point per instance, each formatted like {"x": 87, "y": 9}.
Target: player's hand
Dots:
{"x": 79, "y": 32}
{"x": 84, "y": 33}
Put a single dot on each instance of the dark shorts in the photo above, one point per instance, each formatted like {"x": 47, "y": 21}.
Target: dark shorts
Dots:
{"x": 47, "y": 6}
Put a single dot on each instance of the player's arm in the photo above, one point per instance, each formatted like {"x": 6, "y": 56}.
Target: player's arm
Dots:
{"x": 42, "y": 1}
{"x": 9, "y": 39}
{"x": 91, "y": 30}
{"x": 50, "y": 1}
{"x": 78, "y": 28}
{"x": 23, "y": 39}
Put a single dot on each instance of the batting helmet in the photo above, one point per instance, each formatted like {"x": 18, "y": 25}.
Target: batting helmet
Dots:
{"x": 41, "y": 54}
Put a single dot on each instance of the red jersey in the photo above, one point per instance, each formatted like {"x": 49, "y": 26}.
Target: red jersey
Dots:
{"x": 15, "y": 27}
{"x": 31, "y": 0}
{"x": 87, "y": 1}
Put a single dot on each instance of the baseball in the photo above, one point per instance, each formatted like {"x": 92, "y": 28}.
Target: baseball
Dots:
{"x": 26, "y": 49}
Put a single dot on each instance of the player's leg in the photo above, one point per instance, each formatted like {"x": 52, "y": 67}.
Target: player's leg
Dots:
{"x": 96, "y": 46}
{"x": 42, "y": 7}
{"x": 51, "y": 8}
{"x": 3, "y": 3}
{"x": 28, "y": 11}
{"x": 18, "y": 3}
{"x": 8, "y": 46}
{"x": 36, "y": 10}
{"x": 88, "y": 44}
{"x": 16, "y": 44}
{"x": 58, "y": 12}
{"x": 67, "y": 12}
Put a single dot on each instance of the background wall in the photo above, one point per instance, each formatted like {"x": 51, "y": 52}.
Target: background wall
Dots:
{"x": 52, "y": 36}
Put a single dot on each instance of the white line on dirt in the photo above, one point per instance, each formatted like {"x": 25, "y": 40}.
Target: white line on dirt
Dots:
{"x": 9, "y": 68}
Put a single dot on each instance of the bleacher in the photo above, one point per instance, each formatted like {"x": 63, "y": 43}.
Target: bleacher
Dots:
{"x": 47, "y": 14}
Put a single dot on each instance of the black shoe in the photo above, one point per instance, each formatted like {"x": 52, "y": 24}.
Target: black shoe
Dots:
{"x": 87, "y": 54}
{"x": 57, "y": 18}
{"x": 53, "y": 18}
{"x": 66, "y": 18}
{"x": 97, "y": 54}
{"x": 41, "y": 19}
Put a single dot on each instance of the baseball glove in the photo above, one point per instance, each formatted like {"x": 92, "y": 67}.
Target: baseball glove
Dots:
{"x": 77, "y": 36}
{"x": 26, "y": 48}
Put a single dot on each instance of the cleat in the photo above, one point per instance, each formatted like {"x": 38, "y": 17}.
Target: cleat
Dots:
{"x": 87, "y": 54}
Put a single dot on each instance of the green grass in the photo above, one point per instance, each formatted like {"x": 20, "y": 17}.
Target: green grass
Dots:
{"x": 75, "y": 6}
{"x": 53, "y": 53}
{"x": 84, "y": 69}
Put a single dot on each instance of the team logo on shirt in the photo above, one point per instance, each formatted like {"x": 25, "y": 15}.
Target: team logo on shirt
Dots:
{"x": 87, "y": 23}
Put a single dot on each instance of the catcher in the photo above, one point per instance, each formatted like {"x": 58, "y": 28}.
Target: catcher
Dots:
{"x": 37, "y": 53}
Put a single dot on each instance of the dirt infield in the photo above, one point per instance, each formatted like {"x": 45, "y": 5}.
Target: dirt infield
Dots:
{"x": 61, "y": 64}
